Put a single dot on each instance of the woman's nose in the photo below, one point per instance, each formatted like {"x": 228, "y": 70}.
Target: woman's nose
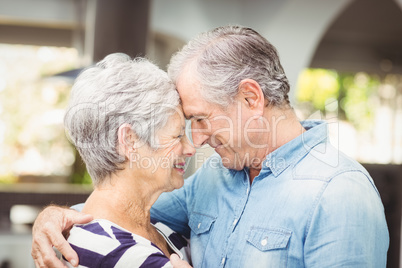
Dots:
{"x": 188, "y": 148}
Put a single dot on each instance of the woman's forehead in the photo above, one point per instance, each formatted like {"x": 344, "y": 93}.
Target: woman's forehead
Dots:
{"x": 175, "y": 122}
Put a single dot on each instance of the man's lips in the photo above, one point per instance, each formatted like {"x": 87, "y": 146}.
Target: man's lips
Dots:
{"x": 216, "y": 145}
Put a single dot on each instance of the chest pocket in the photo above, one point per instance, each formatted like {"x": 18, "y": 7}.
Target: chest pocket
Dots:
{"x": 200, "y": 223}
{"x": 268, "y": 246}
{"x": 201, "y": 227}
{"x": 266, "y": 239}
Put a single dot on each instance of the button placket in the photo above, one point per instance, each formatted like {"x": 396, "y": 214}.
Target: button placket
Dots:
{"x": 241, "y": 204}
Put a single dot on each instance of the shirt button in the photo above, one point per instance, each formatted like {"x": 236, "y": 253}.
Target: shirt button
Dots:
{"x": 234, "y": 222}
{"x": 199, "y": 225}
{"x": 223, "y": 261}
{"x": 264, "y": 242}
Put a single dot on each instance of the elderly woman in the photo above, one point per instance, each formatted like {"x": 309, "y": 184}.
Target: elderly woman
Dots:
{"x": 125, "y": 119}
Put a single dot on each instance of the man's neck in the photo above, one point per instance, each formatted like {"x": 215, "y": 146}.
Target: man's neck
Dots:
{"x": 284, "y": 126}
{"x": 253, "y": 173}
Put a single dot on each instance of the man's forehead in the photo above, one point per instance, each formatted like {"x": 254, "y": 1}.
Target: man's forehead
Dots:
{"x": 193, "y": 103}
{"x": 194, "y": 110}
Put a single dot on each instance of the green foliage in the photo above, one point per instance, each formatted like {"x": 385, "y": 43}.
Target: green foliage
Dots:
{"x": 78, "y": 178}
{"x": 316, "y": 86}
{"x": 357, "y": 94}
{"x": 354, "y": 94}
{"x": 8, "y": 178}
{"x": 79, "y": 174}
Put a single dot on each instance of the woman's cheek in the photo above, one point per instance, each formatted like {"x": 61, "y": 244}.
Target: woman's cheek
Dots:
{"x": 169, "y": 151}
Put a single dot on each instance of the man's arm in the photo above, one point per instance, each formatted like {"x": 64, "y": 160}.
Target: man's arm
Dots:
{"x": 348, "y": 227}
{"x": 48, "y": 231}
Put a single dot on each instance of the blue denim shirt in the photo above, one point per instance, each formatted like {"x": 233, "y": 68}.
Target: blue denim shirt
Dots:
{"x": 310, "y": 206}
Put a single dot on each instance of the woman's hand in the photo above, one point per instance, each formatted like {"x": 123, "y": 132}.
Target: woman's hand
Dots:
{"x": 48, "y": 231}
{"x": 178, "y": 263}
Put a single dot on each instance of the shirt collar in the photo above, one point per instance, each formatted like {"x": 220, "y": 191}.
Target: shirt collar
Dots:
{"x": 294, "y": 150}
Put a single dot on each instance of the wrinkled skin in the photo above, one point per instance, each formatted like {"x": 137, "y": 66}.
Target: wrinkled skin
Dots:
{"x": 53, "y": 222}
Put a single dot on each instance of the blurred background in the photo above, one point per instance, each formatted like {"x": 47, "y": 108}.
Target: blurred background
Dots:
{"x": 343, "y": 59}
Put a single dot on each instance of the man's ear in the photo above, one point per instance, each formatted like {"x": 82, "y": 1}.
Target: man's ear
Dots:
{"x": 250, "y": 93}
{"x": 127, "y": 139}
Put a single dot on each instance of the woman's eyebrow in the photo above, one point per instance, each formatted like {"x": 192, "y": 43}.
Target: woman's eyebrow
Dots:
{"x": 182, "y": 130}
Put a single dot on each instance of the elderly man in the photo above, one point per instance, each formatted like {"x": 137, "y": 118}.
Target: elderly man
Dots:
{"x": 276, "y": 194}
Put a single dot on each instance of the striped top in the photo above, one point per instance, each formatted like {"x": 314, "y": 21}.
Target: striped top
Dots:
{"x": 102, "y": 243}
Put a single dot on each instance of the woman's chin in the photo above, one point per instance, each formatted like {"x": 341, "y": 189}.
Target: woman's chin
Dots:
{"x": 179, "y": 182}
{"x": 176, "y": 182}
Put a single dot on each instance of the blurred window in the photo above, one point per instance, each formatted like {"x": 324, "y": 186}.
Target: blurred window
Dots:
{"x": 32, "y": 103}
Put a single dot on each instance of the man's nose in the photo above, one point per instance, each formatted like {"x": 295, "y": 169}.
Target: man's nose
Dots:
{"x": 199, "y": 138}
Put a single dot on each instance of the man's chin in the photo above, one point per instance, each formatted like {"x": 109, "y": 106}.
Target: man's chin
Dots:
{"x": 229, "y": 160}
{"x": 229, "y": 164}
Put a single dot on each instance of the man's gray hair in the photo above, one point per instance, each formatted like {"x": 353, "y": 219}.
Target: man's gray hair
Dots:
{"x": 115, "y": 91}
{"x": 223, "y": 57}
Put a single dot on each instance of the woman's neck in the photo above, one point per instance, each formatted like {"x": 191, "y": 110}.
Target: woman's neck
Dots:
{"x": 129, "y": 207}
{"x": 124, "y": 201}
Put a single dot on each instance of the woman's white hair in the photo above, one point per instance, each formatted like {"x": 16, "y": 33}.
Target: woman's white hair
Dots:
{"x": 115, "y": 91}
{"x": 223, "y": 57}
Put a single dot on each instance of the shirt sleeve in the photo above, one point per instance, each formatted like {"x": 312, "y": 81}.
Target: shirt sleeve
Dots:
{"x": 348, "y": 227}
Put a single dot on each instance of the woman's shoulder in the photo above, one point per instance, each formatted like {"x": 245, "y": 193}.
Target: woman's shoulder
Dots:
{"x": 102, "y": 243}
{"x": 109, "y": 232}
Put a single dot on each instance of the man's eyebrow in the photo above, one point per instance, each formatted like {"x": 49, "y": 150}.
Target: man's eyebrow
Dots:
{"x": 191, "y": 116}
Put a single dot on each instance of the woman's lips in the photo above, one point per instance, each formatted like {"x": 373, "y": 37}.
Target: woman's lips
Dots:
{"x": 179, "y": 167}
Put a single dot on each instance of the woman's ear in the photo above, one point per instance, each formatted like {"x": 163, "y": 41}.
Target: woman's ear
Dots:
{"x": 127, "y": 139}
{"x": 251, "y": 95}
